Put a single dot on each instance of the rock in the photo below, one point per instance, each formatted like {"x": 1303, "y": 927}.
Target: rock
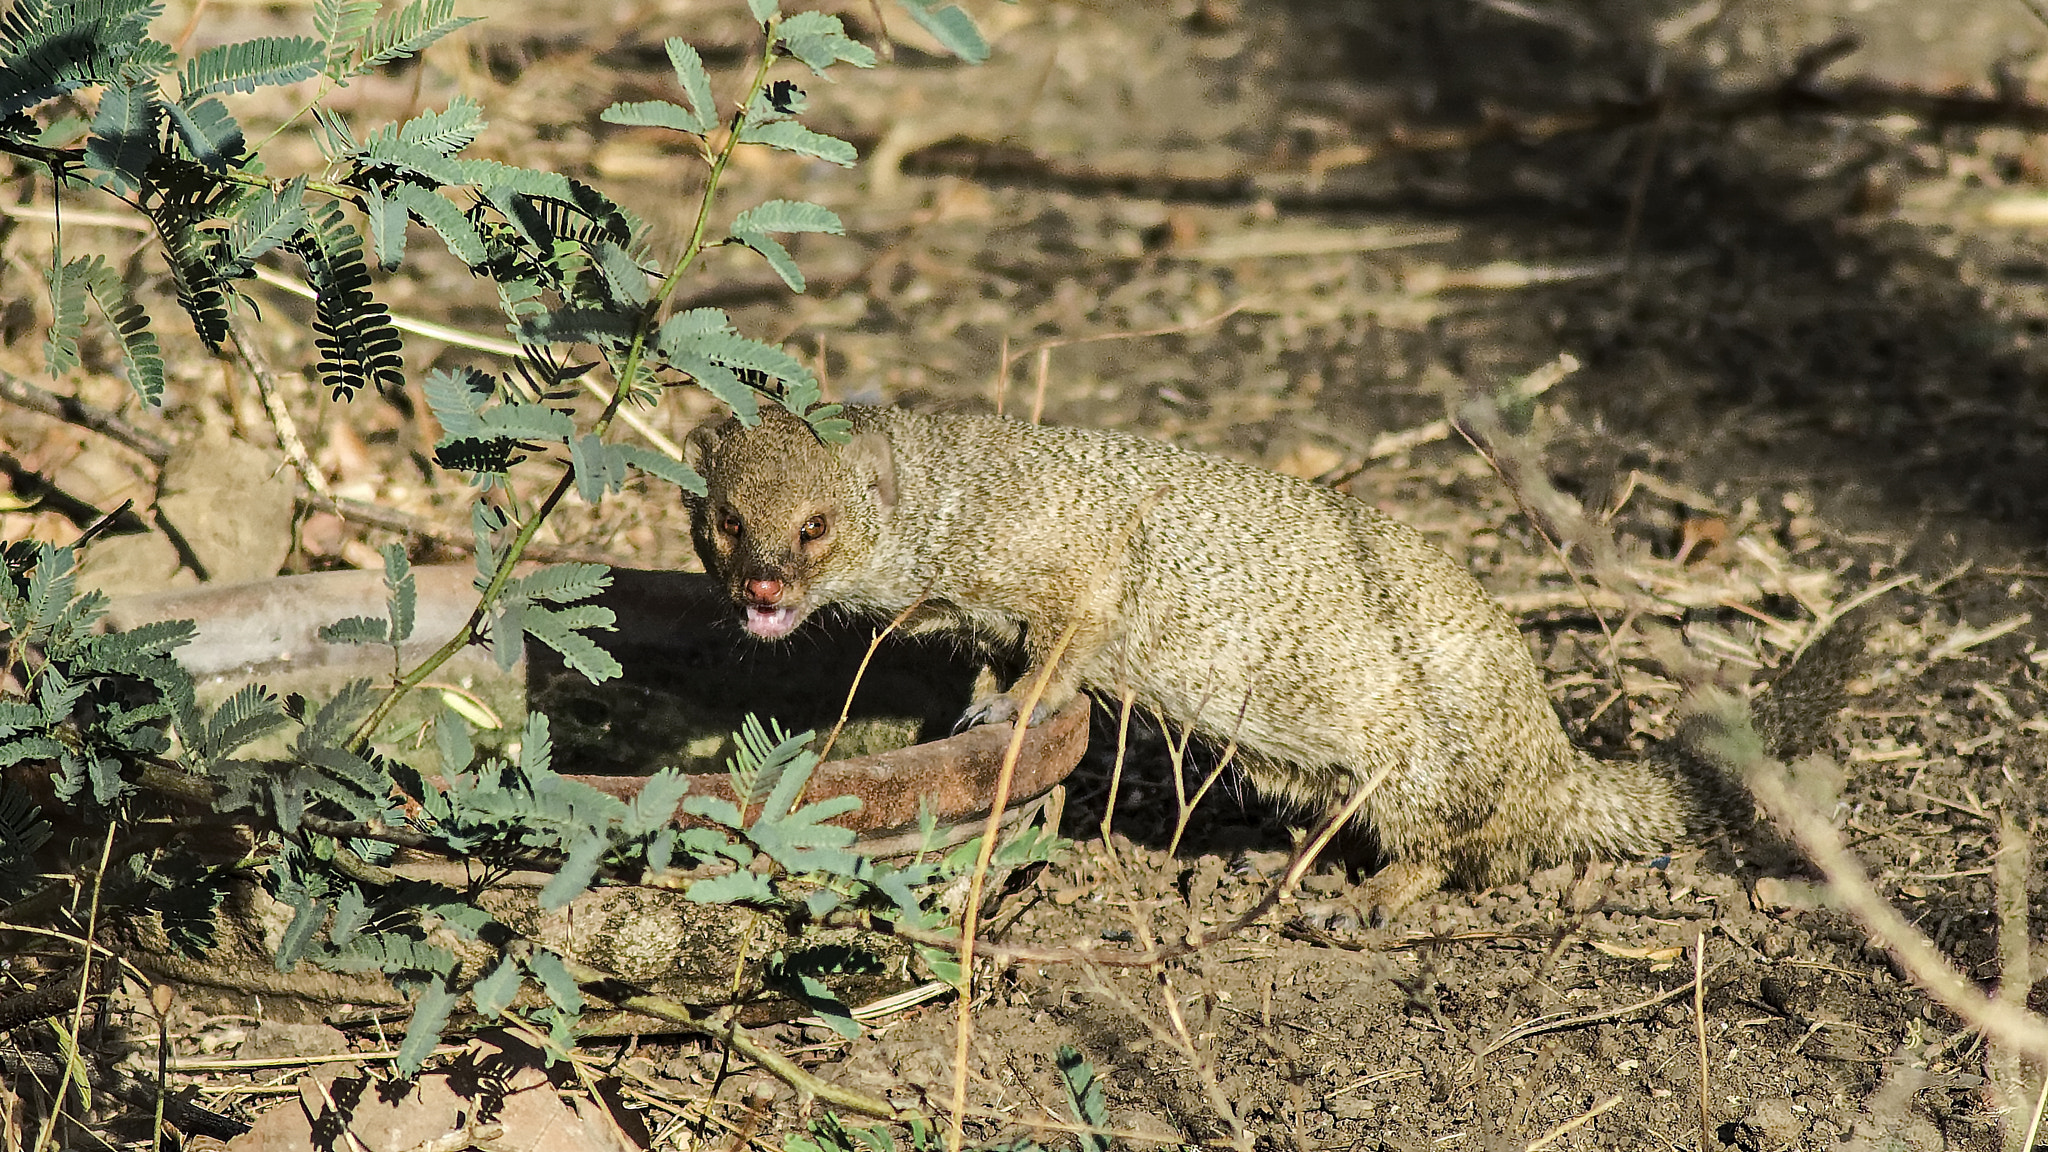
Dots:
{"x": 231, "y": 503}
{"x": 1775, "y": 1124}
{"x": 272, "y": 1039}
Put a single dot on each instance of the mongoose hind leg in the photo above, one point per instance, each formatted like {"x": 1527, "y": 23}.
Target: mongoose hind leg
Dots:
{"x": 1398, "y": 885}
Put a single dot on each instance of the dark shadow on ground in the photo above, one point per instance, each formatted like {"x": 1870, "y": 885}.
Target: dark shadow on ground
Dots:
{"x": 1773, "y": 320}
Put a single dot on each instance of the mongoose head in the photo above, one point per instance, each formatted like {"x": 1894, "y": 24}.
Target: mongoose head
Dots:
{"x": 788, "y": 522}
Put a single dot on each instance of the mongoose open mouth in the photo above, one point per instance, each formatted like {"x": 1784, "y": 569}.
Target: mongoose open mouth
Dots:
{"x": 771, "y": 623}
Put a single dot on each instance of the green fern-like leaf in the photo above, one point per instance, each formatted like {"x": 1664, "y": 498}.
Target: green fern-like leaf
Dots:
{"x": 437, "y": 1001}
{"x": 332, "y": 722}
{"x": 533, "y": 422}
{"x": 696, "y": 82}
{"x": 577, "y": 871}
{"x": 23, "y": 831}
{"x": 208, "y": 131}
{"x": 251, "y": 64}
{"x": 410, "y": 29}
{"x": 599, "y": 467}
{"x": 481, "y": 456}
{"x": 562, "y": 583}
{"x": 446, "y": 132}
{"x": 47, "y": 49}
{"x": 457, "y": 398}
{"x": 613, "y": 222}
{"x": 954, "y": 29}
{"x": 662, "y": 467}
{"x": 263, "y": 222}
{"x": 451, "y": 740}
{"x": 604, "y": 327}
{"x": 562, "y": 630}
{"x": 403, "y": 595}
{"x": 357, "y": 343}
{"x": 139, "y": 350}
{"x": 67, "y": 308}
{"x": 790, "y": 136}
{"x": 389, "y": 224}
{"x": 653, "y": 114}
{"x": 734, "y": 352}
{"x": 493, "y": 994}
{"x": 447, "y": 221}
{"x": 356, "y": 630}
{"x": 622, "y": 274}
{"x": 251, "y": 713}
{"x": 736, "y": 887}
{"x": 342, "y": 24}
{"x": 124, "y": 135}
{"x": 200, "y": 290}
{"x": 1084, "y": 1096}
{"x": 789, "y": 216}
{"x": 820, "y": 41}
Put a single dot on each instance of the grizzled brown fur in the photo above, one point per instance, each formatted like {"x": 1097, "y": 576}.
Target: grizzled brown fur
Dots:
{"x": 1325, "y": 639}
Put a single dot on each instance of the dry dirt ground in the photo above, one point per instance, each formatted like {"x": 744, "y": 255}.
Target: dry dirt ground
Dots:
{"x": 1813, "y": 365}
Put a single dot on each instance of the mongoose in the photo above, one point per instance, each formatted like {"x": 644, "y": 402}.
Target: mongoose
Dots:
{"x": 1325, "y": 639}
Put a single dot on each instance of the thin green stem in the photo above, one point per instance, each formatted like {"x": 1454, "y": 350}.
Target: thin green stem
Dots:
{"x": 308, "y": 106}
{"x": 695, "y": 247}
{"x": 73, "y": 1063}
{"x": 462, "y": 638}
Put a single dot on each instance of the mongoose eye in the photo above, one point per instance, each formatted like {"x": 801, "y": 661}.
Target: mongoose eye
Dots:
{"x": 730, "y": 524}
{"x": 813, "y": 528}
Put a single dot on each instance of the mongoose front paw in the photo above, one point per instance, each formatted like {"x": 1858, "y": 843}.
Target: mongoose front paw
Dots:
{"x": 1000, "y": 709}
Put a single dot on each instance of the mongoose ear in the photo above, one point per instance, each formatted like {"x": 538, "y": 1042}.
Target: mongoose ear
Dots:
{"x": 702, "y": 441}
{"x": 874, "y": 450}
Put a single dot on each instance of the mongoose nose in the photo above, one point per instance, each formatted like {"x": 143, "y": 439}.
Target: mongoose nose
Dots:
{"x": 764, "y": 591}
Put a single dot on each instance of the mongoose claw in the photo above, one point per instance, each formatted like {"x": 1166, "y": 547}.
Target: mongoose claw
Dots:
{"x": 1000, "y": 709}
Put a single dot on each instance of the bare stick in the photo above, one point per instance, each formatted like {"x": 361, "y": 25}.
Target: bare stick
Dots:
{"x": 1163, "y": 330}
{"x": 1544, "y": 1024}
{"x": 2001, "y": 1023}
{"x": 1303, "y": 858}
{"x": 281, "y": 421}
{"x": 72, "y": 410}
{"x": 846, "y": 708}
{"x": 1573, "y": 1124}
{"x": 2009, "y": 869}
{"x": 2040, "y": 1106}
{"x": 1002, "y": 373}
{"x": 1116, "y": 771}
{"x": 1699, "y": 1027}
{"x": 1187, "y": 808}
{"x": 1038, "y": 386}
{"x": 1388, "y": 443}
{"x": 970, "y": 916}
{"x": 1204, "y": 1065}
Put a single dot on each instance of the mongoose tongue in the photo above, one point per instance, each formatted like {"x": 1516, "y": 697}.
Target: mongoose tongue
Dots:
{"x": 770, "y": 623}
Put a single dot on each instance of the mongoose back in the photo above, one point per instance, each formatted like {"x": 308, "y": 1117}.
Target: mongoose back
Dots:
{"x": 1325, "y": 639}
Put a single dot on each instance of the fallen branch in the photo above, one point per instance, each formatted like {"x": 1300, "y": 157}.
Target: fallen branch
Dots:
{"x": 1734, "y": 740}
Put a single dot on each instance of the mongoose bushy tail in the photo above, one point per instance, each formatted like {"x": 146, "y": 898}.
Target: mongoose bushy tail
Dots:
{"x": 1326, "y": 640}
